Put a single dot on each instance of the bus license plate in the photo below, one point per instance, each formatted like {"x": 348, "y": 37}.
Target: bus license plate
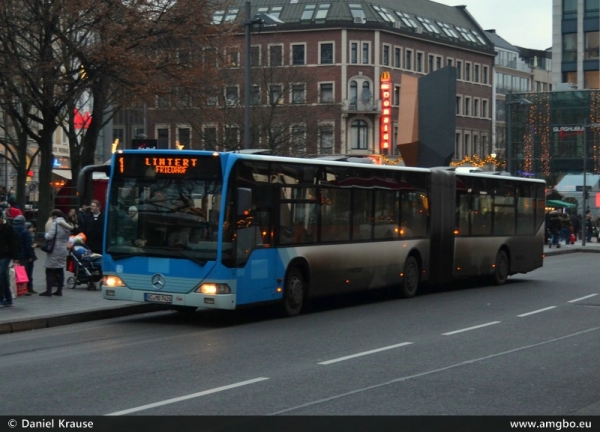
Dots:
{"x": 158, "y": 298}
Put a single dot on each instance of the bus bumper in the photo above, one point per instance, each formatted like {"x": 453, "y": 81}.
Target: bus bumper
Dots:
{"x": 221, "y": 301}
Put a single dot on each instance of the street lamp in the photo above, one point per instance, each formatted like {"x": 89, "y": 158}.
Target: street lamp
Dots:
{"x": 519, "y": 101}
{"x": 263, "y": 20}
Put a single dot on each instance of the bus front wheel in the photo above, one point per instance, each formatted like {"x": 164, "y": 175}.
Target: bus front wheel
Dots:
{"x": 500, "y": 269}
{"x": 410, "y": 278}
{"x": 293, "y": 293}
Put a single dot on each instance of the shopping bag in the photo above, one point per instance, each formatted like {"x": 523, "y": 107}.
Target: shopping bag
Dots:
{"x": 21, "y": 289}
{"x": 20, "y": 274}
{"x": 13, "y": 282}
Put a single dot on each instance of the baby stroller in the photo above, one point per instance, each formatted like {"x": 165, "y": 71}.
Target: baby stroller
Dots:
{"x": 85, "y": 266}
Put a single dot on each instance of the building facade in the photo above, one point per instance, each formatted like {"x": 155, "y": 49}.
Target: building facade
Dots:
{"x": 576, "y": 44}
{"x": 318, "y": 73}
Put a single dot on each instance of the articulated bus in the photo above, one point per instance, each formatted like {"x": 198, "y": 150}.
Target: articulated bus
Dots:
{"x": 201, "y": 229}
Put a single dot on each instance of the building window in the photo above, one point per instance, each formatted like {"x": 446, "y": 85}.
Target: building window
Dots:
{"x": 276, "y": 55}
{"x": 467, "y": 71}
{"x": 397, "y": 57}
{"x": 326, "y": 139}
{"x": 356, "y": 10}
{"x": 457, "y": 146}
{"x": 419, "y": 62}
{"x": 396, "y": 96}
{"x": 326, "y": 53}
{"x": 591, "y": 45}
{"x": 386, "y": 55}
{"x": 255, "y": 95}
{"x": 162, "y": 136}
{"x": 308, "y": 12}
{"x": 353, "y": 94}
{"x": 408, "y": 60}
{"x": 326, "y": 92}
{"x": 592, "y": 9}
{"x": 322, "y": 11}
{"x": 484, "y": 108}
{"x": 467, "y": 145}
{"x": 184, "y": 135}
{"x": 570, "y": 9}
{"x": 475, "y": 107}
{"x": 354, "y": 52}
{"x": 484, "y": 75}
{"x": 298, "y": 55}
{"x": 458, "y": 105}
{"x": 476, "y": 73}
{"x": 231, "y": 137}
{"x": 276, "y": 94}
{"x": 449, "y": 62}
{"x": 467, "y": 110}
{"x": 298, "y": 93}
{"x": 298, "y": 140}
{"x": 233, "y": 58}
{"x": 210, "y": 138}
{"x": 366, "y": 93}
{"x": 231, "y": 95}
{"x": 570, "y": 47}
{"x": 365, "y": 53}
{"x": 255, "y": 56}
{"x": 591, "y": 80}
{"x": 431, "y": 63}
{"x": 476, "y": 149}
{"x": 359, "y": 132}
{"x": 459, "y": 69}
{"x": 438, "y": 62}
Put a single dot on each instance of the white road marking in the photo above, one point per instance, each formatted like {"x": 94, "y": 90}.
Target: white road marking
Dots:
{"x": 582, "y": 298}
{"x": 470, "y": 328}
{"x": 365, "y": 353}
{"x": 191, "y": 396}
{"x": 430, "y": 372}
{"x": 536, "y": 311}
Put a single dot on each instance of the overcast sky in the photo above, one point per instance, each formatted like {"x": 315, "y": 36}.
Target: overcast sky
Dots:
{"x": 525, "y": 23}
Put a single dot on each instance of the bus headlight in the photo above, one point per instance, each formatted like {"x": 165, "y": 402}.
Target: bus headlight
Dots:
{"x": 214, "y": 288}
{"x": 112, "y": 281}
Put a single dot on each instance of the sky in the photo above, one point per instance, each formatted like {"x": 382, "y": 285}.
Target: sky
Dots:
{"x": 525, "y": 23}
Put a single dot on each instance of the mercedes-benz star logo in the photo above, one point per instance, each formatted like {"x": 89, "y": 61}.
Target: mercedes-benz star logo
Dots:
{"x": 158, "y": 281}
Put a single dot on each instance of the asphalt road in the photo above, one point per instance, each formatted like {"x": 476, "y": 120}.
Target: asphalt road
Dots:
{"x": 530, "y": 347}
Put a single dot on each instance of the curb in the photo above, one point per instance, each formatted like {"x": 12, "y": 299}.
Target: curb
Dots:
{"x": 77, "y": 317}
{"x": 567, "y": 250}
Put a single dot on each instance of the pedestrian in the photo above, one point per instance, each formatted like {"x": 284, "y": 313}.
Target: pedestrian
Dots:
{"x": 93, "y": 227}
{"x": 56, "y": 260}
{"x": 589, "y": 226}
{"x": 575, "y": 225}
{"x": 555, "y": 228}
{"x": 26, "y": 252}
{"x": 31, "y": 229}
{"x": 9, "y": 251}
{"x": 565, "y": 228}
{"x": 14, "y": 209}
{"x": 73, "y": 219}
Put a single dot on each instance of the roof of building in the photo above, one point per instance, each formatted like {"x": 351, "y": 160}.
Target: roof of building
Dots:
{"x": 500, "y": 42}
{"x": 429, "y": 19}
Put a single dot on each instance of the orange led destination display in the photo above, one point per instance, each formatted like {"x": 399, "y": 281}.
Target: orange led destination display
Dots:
{"x": 168, "y": 165}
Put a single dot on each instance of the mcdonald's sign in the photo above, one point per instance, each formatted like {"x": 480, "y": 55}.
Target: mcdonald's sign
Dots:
{"x": 385, "y": 135}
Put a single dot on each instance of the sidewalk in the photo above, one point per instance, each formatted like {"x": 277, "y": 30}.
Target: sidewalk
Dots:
{"x": 80, "y": 305}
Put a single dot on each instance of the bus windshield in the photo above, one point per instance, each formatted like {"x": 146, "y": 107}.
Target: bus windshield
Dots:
{"x": 154, "y": 213}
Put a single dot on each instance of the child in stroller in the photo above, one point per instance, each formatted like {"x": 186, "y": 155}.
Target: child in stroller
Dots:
{"x": 85, "y": 265}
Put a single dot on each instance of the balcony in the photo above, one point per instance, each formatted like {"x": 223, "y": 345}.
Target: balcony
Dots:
{"x": 369, "y": 106}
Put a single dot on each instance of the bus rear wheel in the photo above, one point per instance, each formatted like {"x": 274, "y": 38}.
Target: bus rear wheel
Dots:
{"x": 294, "y": 293}
{"x": 410, "y": 279}
{"x": 500, "y": 269}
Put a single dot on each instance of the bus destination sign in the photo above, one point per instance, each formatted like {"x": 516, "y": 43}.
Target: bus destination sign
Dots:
{"x": 163, "y": 165}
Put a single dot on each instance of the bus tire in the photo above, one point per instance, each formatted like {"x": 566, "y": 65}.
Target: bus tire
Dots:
{"x": 294, "y": 293}
{"x": 501, "y": 268}
{"x": 410, "y": 278}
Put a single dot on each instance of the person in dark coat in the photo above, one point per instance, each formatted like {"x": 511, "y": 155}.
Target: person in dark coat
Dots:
{"x": 555, "y": 228}
{"x": 93, "y": 227}
{"x": 26, "y": 252}
{"x": 9, "y": 251}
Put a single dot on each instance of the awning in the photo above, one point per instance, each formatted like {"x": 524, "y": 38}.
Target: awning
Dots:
{"x": 66, "y": 174}
{"x": 559, "y": 203}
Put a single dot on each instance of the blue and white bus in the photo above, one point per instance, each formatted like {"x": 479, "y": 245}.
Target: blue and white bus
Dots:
{"x": 201, "y": 229}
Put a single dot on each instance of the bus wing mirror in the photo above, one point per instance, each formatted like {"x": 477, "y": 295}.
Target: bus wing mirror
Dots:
{"x": 244, "y": 201}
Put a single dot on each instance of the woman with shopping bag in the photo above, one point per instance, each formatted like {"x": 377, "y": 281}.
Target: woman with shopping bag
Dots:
{"x": 26, "y": 252}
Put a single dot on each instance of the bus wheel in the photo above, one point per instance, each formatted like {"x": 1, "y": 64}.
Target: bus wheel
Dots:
{"x": 410, "y": 280}
{"x": 501, "y": 269}
{"x": 294, "y": 292}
